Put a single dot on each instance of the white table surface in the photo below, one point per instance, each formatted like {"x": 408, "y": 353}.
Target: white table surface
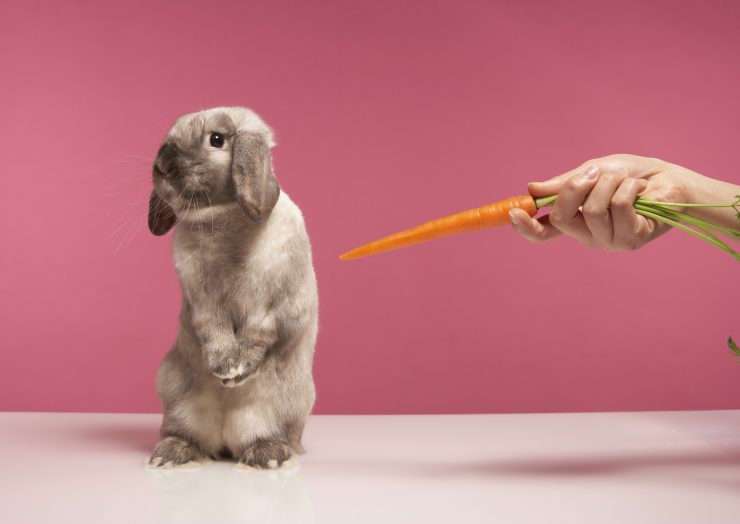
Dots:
{"x": 671, "y": 467}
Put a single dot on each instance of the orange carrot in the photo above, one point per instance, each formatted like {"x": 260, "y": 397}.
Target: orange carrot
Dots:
{"x": 492, "y": 215}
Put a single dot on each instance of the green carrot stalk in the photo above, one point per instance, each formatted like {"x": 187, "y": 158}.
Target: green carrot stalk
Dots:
{"x": 664, "y": 212}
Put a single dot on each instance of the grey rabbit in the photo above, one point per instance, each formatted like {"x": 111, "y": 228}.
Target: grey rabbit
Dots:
{"x": 238, "y": 381}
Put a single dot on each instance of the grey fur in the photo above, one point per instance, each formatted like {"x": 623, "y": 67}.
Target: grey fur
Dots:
{"x": 257, "y": 190}
{"x": 238, "y": 380}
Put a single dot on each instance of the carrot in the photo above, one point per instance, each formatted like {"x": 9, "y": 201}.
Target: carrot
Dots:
{"x": 491, "y": 215}
{"x": 497, "y": 214}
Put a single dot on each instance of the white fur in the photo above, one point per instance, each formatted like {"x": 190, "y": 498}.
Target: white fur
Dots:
{"x": 247, "y": 424}
{"x": 287, "y": 468}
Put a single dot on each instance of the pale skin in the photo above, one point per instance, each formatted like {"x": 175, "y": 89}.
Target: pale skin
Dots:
{"x": 595, "y": 202}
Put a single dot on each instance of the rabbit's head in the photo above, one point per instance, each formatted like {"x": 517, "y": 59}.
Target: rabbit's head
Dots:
{"x": 210, "y": 158}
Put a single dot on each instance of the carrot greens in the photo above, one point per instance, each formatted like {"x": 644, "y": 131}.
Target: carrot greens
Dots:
{"x": 733, "y": 347}
{"x": 665, "y": 212}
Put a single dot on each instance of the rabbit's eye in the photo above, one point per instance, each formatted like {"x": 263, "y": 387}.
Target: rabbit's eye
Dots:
{"x": 217, "y": 140}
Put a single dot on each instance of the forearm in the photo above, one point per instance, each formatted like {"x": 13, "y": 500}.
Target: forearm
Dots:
{"x": 256, "y": 336}
{"x": 704, "y": 190}
{"x": 213, "y": 327}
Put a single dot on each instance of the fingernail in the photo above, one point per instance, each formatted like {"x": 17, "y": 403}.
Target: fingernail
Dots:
{"x": 590, "y": 173}
{"x": 513, "y": 218}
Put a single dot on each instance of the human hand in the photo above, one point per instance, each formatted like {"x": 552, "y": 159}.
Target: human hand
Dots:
{"x": 595, "y": 202}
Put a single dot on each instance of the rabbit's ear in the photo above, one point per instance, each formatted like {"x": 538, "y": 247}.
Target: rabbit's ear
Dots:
{"x": 257, "y": 189}
{"x": 161, "y": 215}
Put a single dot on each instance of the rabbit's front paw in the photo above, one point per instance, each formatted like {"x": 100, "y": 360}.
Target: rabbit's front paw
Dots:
{"x": 230, "y": 365}
{"x": 266, "y": 454}
{"x": 234, "y": 365}
{"x": 173, "y": 451}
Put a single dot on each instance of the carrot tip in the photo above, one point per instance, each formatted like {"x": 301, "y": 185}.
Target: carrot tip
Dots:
{"x": 491, "y": 215}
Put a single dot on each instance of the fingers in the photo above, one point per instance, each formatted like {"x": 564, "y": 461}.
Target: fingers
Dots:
{"x": 554, "y": 185}
{"x": 566, "y": 215}
{"x": 630, "y": 229}
{"x": 596, "y": 208}
{"x": 595, "y": 204}
{"x": 534, "y": 230}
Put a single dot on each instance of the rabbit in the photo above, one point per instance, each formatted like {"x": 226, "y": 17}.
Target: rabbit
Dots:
{"x": 238, "y": 381}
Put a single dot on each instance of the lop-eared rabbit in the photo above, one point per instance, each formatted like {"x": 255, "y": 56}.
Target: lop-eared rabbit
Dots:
{"x": 237, "y": 382}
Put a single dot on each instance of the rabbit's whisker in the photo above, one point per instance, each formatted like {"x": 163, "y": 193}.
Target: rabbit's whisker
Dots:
{"x": 200, "y": 225}
{"x": 210, "y": 208}
{"x": 190, "y": 201}
{"x": 130, "y": 235}
{"x": 124, "y": 221}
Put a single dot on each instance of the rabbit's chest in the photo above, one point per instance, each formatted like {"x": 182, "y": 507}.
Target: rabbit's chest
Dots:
{"x": 218, "y": 277}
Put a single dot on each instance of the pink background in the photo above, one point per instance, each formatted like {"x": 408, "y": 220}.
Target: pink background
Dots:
{"x": 387, "y": 113}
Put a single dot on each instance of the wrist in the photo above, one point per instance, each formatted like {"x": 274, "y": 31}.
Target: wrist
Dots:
{"x": 689, "y": 186}
{"x": 701, "y": 190}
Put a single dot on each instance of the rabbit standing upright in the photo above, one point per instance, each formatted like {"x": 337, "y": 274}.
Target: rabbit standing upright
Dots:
{"x": 238, "y": 381}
